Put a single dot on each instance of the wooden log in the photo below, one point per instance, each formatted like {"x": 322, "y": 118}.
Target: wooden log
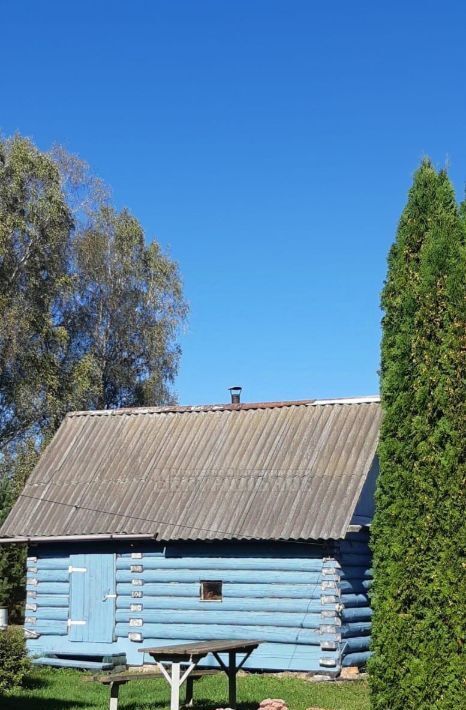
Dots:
{"x": 230, "y": 590}
{"x": 349, "y": 599}
{"x": 356, "y": 644}
{"x": 49, "y": 600}
{"x": 61, "y": 563}
{"x": 200, "y": 632}
{"x": 356, "y": 614}
{"x": 52, "y": 613}
{"x": 350, "y": 573}
{"x": 236, "y": 604}
{"x": 48, "y": 628}
{"x": 359, "y": 658}
{"x": 355, "y": 586}
{"x": 356, "y": 560}
{"x": 50, "y": 587}
{"x": 238, "y": 576}
{"x": 353, "y": 548}
{"x": 362, "y": 628}
{"x": 248, "y": 548}
{"x": 218, "y": 563}
{"x": 49, "y": 575}
{"x": 222, "y": 617}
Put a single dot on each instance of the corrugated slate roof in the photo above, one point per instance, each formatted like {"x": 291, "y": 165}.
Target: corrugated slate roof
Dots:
{"x": 282, "y": 470}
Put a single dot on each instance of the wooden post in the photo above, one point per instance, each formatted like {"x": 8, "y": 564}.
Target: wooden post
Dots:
{"x": 175, "y": 687}
{"x": 232, "y": 679}
{"x": 114, "y": 689}
{"x": 189, "y": 691}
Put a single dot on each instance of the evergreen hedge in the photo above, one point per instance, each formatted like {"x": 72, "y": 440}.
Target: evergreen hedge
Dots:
{"x": 419, "y": 531}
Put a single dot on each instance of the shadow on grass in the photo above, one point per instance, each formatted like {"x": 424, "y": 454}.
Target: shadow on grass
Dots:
{"x": 10, "y": 702}
{"x": 199, "y": 704}
{"x": 33, "y": 682}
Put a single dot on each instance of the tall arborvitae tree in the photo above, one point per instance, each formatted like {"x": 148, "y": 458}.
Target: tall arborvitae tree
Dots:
{"x": 419, "y": 531}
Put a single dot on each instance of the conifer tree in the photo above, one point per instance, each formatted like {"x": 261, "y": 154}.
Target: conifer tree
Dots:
{"x": 419, "y": 531}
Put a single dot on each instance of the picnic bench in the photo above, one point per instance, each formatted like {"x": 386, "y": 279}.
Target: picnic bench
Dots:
{"x": 190, "y": 654}
{"x": 115, "y": 680}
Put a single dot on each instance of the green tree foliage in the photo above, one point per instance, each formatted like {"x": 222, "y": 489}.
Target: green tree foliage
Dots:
{"x": 419, "y": 531}
{"x": 35, "y": 226}
{"x": 90, "y": 312}
{"x": 123, "y": 317}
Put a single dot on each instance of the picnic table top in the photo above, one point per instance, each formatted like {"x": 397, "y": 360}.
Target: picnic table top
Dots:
{"x": 199, "y": 649}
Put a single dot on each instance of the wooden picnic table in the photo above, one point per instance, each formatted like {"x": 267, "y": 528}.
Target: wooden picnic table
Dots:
{"x": 190, "y": 654}
{"x": 115, "y": 680}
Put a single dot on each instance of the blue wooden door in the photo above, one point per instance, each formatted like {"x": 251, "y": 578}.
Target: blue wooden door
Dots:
{"x": 92, "y": 597}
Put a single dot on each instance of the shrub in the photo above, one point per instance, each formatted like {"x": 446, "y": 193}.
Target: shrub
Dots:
{"x": 14, "y": 663}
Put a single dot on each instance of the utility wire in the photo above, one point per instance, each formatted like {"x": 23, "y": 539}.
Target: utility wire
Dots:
{"x": 157, "y": 522}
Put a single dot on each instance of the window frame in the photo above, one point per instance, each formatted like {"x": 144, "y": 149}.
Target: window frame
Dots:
{"x": 203, "y": 582}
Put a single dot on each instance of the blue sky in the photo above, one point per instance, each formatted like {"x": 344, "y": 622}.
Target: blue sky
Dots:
{"x": 267, "y": 145}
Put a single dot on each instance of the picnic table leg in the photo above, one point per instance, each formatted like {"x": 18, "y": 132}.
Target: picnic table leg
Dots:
{"x": 114, "y": 689}
{"x": 232, "y": 679}
{"x": 175, "y": 687}
{"x": 189, "y": 691}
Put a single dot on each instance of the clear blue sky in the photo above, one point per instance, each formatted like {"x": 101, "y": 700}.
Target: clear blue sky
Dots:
{"x": 267, "y": 145}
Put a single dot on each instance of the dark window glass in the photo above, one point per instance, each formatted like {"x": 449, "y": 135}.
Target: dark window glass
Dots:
{"x": 211, "y": 591}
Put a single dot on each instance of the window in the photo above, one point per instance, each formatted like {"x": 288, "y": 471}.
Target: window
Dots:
{"x": 211, "y": 591}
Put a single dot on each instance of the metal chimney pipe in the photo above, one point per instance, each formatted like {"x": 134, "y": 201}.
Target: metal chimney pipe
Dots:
{"x": 235, "y": 394}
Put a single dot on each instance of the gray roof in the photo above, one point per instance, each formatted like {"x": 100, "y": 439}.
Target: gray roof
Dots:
{"x": 267, "y": 471}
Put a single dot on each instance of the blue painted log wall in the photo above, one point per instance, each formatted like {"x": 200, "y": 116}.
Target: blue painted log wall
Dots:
{"x": 306, "y": 602}
{"x": 47, "y": 594}
{"x": 356, "y": 579}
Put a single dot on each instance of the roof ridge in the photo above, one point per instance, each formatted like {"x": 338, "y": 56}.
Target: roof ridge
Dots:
{"x": 243, "y": 406}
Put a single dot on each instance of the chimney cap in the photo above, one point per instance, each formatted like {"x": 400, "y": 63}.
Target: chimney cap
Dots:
{"x": 235, "y": 394}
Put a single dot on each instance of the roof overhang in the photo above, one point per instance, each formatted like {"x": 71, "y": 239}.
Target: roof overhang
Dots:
{"x": 35, "y": 539}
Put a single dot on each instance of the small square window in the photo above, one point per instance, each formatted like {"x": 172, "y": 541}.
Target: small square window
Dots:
{"x": 211, "y": 591}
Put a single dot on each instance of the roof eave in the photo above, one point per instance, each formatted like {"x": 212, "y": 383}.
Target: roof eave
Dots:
{"x": 115, "y": 537}
{"x": 35, "y": 539}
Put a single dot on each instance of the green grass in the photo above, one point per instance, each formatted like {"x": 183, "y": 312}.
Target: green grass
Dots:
{"x": 51, "y": 689}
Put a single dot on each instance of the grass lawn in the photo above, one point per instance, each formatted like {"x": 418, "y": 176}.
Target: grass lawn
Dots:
{"x": 50, "y": 689}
